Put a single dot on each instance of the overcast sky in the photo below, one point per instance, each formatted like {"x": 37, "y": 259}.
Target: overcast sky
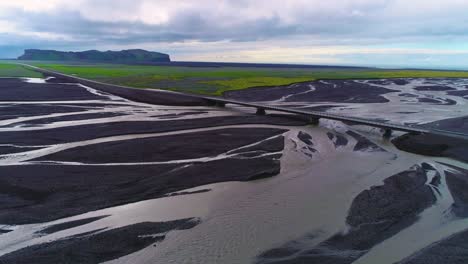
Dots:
{"x": 412, "y": 33}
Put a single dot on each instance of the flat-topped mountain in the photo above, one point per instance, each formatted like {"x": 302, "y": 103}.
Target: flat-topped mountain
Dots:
{"x": 124, "y": 56}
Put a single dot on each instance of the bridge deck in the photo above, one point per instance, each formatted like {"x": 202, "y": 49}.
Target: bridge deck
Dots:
{"x": 356, "y": 120}
{"x": 316, "y": 114}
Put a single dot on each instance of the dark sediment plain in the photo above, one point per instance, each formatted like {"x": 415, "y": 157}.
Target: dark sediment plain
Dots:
{"x": 432, "y": 145}
{"x": 141, "y": 155}
{"x": 453, "y": 249}
{"x": 91, "y": 177}
{"x": 15, "y": 90}
{"x": 317, "y": 91}
{"x": 68, "y": 149}
{"x": 398, "y": 100}
{"x": 98, "y": 246}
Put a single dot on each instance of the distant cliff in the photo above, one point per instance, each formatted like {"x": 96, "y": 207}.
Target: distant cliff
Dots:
{"x": 124, "y": 56}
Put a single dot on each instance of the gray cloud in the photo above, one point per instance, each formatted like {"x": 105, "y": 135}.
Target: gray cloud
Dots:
{"x": 365, "y": 20}
{"x": 124, "y": 23}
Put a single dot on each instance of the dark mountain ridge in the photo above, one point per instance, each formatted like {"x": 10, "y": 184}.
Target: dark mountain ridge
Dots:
{"x": 124, "y": 56}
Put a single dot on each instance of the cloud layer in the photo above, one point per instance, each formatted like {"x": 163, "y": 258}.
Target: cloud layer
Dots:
{"x": 303, "y": 31}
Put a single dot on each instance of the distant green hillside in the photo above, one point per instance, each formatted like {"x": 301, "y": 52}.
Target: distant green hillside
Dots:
{"x": 124, "y": 56}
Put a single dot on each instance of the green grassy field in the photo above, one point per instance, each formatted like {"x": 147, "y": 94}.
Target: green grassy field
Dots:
{"x": 216, "y": 80}
{"x": 13, "y": 70}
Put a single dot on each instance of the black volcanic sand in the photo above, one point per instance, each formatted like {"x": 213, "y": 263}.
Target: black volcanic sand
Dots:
{"x": 51, "y": 79}
{"x": 91, "y": 131}
{"x": 306, "y": 138}
{"x": 434, "y": 88}
{"x": 20, "y": 110}
{"x": 390, "y": 81}
{"x": 457, "y": 182}
{"x": 98, "y": 247}
{"x": 170, "y": 116}
{"x": 338, "y": 91}
{"x": 169, "y": 148}
{"x": 269, "y": 145}
{"x": 452, "y": 250}
{"x": 187, "y": 192}
{"x": 45, "y": 192}
{"x": 76, "y": 117}
{"x": 363, "y": 144}
{"x": 41, "y": 193}
{"x": 408, "y": 95}
{"x": 15, "y": 89}
{"x": 447, "y": 101}
{"x": 375, "y": 215}
{"x": 13, "y": 149}
{"x": 136, "y": 94}
{"x": 442, "y": 101}
{"x": 459, "y": 93}
{"x": 71, "y": 224}
{"x": 337, "y": 139}
{"x": 457, "y": 124}
{"x": 433, "y": 145}
{"x": 428, "y": 100}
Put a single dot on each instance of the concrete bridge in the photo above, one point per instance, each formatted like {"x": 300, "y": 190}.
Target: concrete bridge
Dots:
{"x": 153, "y": 96}
{"x": 315, "y": 116}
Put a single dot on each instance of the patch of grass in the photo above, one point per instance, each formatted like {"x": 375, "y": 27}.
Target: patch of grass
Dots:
{"x": 14, "y": 70}
{"x": 217, "y": 80}
{"x": 243, "y": 83}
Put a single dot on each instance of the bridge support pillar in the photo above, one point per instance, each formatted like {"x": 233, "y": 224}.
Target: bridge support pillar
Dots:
{"x": 387, "y": 133}
{"x": 260, "y": 111}
{"x": 314, "y": 120}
